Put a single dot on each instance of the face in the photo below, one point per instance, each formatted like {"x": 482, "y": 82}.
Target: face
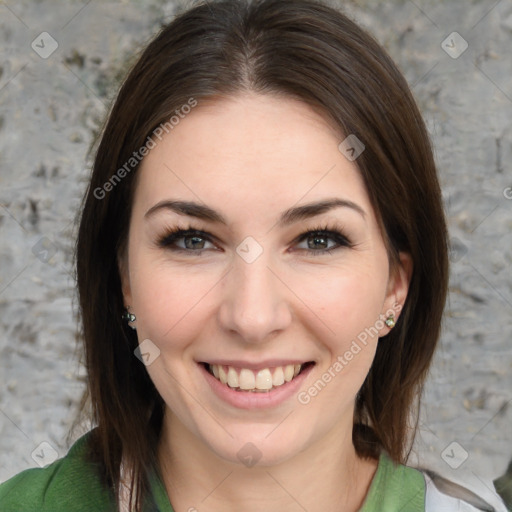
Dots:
{"x": 266, "y": 290}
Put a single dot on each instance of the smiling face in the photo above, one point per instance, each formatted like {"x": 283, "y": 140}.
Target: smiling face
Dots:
{"x": 254, "y": 290}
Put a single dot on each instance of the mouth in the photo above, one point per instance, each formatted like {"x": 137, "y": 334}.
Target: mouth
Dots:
{"x": 263, "y": 380}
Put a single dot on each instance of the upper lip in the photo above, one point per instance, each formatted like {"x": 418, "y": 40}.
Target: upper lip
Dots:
{"x": 256, "y": 365}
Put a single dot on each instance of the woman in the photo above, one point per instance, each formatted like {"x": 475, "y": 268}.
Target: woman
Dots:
{"x": 262, "y": 270}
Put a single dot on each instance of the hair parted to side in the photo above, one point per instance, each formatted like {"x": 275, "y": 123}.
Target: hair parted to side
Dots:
{"x": 292, "y": 48}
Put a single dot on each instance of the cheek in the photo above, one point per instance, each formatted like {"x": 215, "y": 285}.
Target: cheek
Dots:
{"x": 168, "y": 300}
{"x": 347, "y": 302}
{"x": 349, "y": 307}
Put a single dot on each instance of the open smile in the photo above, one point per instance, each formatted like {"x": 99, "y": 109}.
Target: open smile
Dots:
{"x": 263, "y": 380}
{"x": 261, "y": 386}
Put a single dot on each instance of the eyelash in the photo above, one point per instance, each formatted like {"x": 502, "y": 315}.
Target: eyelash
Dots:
{"x": 174, "y": 234}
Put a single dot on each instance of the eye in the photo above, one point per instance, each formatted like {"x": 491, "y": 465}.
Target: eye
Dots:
{"x": 193, "y": 240}
{"x": 324, "y": 240}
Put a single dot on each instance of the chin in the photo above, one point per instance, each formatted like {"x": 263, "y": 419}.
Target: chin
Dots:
{"x": 260, "y": 446}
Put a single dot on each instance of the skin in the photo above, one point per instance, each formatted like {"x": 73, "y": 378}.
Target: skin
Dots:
{"x": 250, "y": 158}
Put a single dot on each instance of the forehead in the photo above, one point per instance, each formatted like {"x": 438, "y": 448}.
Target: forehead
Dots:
{"x": 251, "y": 153}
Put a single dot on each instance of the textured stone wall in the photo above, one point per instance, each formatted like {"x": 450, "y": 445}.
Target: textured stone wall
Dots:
{"x": 59, "y": 68}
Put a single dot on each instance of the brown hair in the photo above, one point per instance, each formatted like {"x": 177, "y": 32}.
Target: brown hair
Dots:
{"x": 294, "y": 48}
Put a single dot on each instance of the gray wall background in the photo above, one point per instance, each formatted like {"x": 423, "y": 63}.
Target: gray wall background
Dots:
{"x": 51, "y": 105}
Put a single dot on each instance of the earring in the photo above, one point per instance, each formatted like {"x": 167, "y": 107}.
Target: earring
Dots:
{"x": 129, "y": 317}
{"x": 390, "y": 321}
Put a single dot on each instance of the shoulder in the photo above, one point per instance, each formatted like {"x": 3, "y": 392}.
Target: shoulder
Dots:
{"x": 443, "y": 494}
{"x": 70, "y": 484}
{"x": 396, "y": 488}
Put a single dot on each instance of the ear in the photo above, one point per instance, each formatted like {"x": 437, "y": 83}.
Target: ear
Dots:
{"x": 398, "y": 287}
{"x": 122, "y": 264}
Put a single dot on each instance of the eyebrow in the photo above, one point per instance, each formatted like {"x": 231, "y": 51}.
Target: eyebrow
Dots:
{"x": 290, "y": 216}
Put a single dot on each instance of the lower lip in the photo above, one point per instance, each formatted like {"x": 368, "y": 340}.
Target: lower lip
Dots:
{"x": 255, "y": 400}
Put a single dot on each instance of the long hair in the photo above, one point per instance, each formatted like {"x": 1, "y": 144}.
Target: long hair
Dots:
{"x": 301, "y": 49}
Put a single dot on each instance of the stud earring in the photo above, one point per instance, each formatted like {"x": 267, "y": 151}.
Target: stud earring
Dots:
{"x": 129, "y": 317}
{"x": 390, "y": 321}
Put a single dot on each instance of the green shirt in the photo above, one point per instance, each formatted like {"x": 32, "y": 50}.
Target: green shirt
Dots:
{"x": 71, "y": 484}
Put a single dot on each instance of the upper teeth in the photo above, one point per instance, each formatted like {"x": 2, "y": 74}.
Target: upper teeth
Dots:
{"x": 246, "y": 379}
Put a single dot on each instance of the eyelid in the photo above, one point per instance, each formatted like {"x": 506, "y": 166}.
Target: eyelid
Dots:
{"x": 333, "y": 232}
{"x": 177, "y": 233}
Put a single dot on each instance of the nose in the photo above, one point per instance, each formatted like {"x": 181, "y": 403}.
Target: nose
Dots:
{"x": 255, "y": 302}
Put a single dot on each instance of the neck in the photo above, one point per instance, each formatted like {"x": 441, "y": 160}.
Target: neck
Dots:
{"x": 328, "y": 476}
